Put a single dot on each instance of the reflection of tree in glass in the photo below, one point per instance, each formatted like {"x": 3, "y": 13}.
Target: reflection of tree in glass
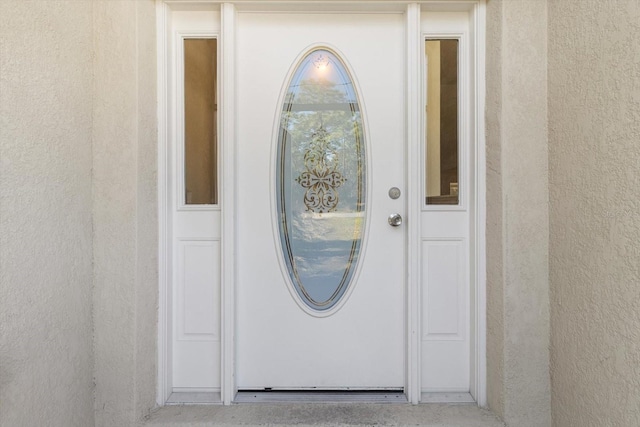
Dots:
{"x": 322, "y": 159}
{"x": 319, "y": 103}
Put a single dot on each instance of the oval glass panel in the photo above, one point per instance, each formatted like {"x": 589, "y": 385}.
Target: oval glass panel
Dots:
{"x": 321, "y": 179}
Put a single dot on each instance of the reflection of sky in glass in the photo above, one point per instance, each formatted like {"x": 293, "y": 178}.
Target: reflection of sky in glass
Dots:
{"x": 321, "y": 247}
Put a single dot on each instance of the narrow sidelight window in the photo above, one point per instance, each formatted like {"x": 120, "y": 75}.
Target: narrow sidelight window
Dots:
{"x": 200, "y": 122}
{"x": 442, "y": 122}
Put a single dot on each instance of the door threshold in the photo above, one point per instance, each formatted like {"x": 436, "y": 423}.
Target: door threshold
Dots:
{"x": 320, "y": 396}
{"x": 193, "y": 398}
{"x": 447, "y": 397}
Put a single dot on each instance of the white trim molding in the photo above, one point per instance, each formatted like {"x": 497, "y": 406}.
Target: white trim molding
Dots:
{"x": 164, "y": 383}
{"x": 228, "y": 192}
{"x": 479, "y": 374}
{"x": 414, "y": 188}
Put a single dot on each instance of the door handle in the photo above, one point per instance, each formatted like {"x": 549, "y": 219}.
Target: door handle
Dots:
{"x": 395, "y": 219}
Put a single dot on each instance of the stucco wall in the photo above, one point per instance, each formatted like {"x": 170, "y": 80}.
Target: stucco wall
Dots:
{"x": 594, "y": 140}
{"x": 46, "y": 204}
{"x": 125, "y": 210}
{"x": 517, "y": 213}
{"x": 46, "y": 367}
{"x": 495, "y": 247}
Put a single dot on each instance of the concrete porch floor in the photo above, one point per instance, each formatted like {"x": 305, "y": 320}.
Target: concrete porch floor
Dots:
{"x": 324, "y": 414}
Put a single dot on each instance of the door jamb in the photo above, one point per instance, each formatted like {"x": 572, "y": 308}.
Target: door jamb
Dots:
{"x": 228, "y": 388}
{"x": 163, "y": 385}
{"x": 478, "y": 231}
{"x": 413, "y": 168}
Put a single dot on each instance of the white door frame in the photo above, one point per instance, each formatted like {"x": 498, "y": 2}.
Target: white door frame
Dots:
{"x": 414, "y": 100}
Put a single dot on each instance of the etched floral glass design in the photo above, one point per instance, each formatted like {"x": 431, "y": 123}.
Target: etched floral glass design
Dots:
{"x": 321, "y": 179}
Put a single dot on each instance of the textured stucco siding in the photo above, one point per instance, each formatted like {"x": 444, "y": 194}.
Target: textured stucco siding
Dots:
{"x": 495, "y": 256}
{"x": 517, "y": 213}
{"x": 46, "y": 363}
{"x": 594, "y": 139}
{"x": 125, "y": 210}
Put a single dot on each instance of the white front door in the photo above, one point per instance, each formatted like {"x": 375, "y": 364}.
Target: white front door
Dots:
{"x": 290, "y": 138}
{"x": 320, "y": 270}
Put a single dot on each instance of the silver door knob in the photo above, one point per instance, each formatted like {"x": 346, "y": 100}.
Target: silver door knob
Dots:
{"x": 395, "y": 219}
